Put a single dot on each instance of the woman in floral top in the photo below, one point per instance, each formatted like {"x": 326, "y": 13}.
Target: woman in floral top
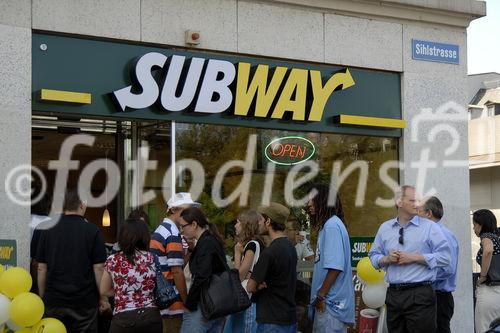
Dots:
{"x": 129, "y": 275}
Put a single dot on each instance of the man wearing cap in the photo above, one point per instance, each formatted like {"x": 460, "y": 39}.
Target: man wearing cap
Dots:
{"x": 446, "y": 279}
{"x": 274, "y": 276}
{"x": 167, "y": 244}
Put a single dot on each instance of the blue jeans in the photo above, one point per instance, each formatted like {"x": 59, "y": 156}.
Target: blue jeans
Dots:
{"x": 326, "y": 323}
{"x": 242, "y": 322}
{"x": 275, "y": 328}
{"x": 193, "y": 322}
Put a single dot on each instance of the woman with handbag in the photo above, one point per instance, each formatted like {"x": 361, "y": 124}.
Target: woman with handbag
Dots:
{"x": 205, "y": 261}
{"x": 245, "y": 257}
{"x": 488, "y": 257}
{"x": 130, "y": 276}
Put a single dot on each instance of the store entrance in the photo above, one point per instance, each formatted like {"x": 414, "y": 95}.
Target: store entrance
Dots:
{"x": 48, "y": 136}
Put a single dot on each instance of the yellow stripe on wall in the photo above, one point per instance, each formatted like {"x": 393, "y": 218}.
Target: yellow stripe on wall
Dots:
{"x": 65, "y": 96}
{"x": 370, "y": 121}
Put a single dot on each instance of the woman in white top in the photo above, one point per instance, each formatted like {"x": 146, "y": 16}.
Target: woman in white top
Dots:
{"x": 246, "y": 254}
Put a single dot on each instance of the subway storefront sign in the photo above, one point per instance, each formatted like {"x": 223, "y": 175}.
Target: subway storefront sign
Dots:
{"x": 147, "y": 82}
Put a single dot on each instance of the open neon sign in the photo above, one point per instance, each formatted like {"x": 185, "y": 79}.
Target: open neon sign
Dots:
{"x": 289, "y": 150}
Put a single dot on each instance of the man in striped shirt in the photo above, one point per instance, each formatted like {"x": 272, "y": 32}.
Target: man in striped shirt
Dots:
{"x": 167, "y": 244}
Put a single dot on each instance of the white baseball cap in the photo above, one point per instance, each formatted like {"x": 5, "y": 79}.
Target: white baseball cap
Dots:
{"x": 180, "y": 199}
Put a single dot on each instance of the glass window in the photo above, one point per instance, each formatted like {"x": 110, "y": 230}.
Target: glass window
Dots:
{"x": 215, "y": 146}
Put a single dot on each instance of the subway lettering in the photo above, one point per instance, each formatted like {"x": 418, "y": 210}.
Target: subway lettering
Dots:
{"x": 207, "y": 86}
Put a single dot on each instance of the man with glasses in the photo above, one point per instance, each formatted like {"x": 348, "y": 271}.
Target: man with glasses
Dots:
{"x": 167, "y": 244}
{"x": 410, "y": 249}
{"x": 446, "y": 280}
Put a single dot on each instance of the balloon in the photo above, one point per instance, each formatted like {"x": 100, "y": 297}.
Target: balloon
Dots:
{"x": 15, "y": 281}
{"x": 4, "y": 309}
{"x": 374, "y": 295}
{"x": 2, "y": 269}
{"x": 25, "y": 330}
{"x": 26, "y": 309}
{"x": 368, "y": 273}
{"x": 13, "y": 326}
{"x": 49, "y": 325}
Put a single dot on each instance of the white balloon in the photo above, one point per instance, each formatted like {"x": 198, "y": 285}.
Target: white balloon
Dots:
{"x": 4, "y": 309}
{"x": 374, "y": 295}
{"x": 13, "y": 326}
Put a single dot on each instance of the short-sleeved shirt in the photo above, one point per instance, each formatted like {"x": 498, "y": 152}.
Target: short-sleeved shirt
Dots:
{"x": 133, "y": 284}
{"x": 166, "y": 243}
{"x": 277, "y": 267}
{"x": 251, "y": 246}
{"x": 495, "y": 239}
{"x": 71, "y": 249}
{"x": 334, "y": 252}
{"x": 304, "y": 249}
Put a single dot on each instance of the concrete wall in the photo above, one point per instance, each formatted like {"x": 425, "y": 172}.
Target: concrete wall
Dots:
{"x": 441, "y": 87}
{"x": 335, "y": 32}
{"x": 15, "y": 123}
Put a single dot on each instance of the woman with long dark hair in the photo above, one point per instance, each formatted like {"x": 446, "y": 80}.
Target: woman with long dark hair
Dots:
{"x": 207, "y": 258}
{"x": 129, "y": 275}
{"x": 488, "y": 257}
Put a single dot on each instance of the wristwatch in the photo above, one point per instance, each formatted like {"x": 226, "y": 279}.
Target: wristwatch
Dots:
{"x": 321, "y": 298}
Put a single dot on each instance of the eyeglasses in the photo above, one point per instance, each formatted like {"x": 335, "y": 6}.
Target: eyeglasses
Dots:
{"x": 401, "y": 234}
{"x": 182, "y": 226}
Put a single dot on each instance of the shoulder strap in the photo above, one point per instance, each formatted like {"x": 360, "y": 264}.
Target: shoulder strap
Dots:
{"x": 256, "y": 254}
{"x": 222, "y": 260}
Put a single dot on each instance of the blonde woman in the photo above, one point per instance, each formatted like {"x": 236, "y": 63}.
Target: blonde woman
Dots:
{"x": 246, "y": 254}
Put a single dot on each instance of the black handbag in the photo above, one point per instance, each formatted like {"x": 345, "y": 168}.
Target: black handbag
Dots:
{"x": 165, "y": 292}
{"x": 494, "y": 271}
{"x": 223, "y": 294}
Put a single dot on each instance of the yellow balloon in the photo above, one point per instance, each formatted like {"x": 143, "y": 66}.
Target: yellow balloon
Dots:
{"x": 2, "y": 269}
{"x": 25, "y": 330}
{"x": 26, "y": 309}
{"x": 15, "y": 281}
{"x": 49, "y": 325}
{"x": 368, "y": 273}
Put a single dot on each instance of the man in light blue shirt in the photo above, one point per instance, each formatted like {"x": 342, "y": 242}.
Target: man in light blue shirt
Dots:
{"x": 446, "y": 280}
{"x": 332, "y": 290}
{"x": 410, "y": 249}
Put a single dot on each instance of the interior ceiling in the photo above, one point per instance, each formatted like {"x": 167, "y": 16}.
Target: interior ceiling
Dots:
{"x": 45, "y": 146}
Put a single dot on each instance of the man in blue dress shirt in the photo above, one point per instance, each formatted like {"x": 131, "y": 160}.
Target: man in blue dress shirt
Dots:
{"x": 410, "y": 249}
{"x": 446, "y": 280}
{"x": 332, "y": 290}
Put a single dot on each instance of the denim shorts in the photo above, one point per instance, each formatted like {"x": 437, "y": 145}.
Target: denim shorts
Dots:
{"x": 275, "y": 328}
{"x": 242, "y": 322}
{"x": 326, "y": 323}
{"x": 193, "y": 322}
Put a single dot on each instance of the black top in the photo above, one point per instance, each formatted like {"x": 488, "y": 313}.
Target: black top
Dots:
{"x": 252, "y": 247}
{"x": 206, "y": 259}
{"x": 70, "y": 249}
{"x": 277, "y": 266}
{"x": 495, "y": 239}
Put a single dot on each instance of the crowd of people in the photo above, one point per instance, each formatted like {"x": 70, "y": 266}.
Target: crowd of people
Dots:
{"x": 78, "y": 280}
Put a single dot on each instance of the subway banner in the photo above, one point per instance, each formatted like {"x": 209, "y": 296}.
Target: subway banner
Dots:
{"x": 97, "y": 78}
{"x": 360, "y": 246}
{"x": 8, "y": 253}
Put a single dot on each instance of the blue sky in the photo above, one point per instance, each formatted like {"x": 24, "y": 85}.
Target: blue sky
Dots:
{"x": 483, "y": 41}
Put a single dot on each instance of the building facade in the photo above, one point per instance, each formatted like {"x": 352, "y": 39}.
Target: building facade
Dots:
{"x": 375, "y": 89}
{"x": 484, "y": 146}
